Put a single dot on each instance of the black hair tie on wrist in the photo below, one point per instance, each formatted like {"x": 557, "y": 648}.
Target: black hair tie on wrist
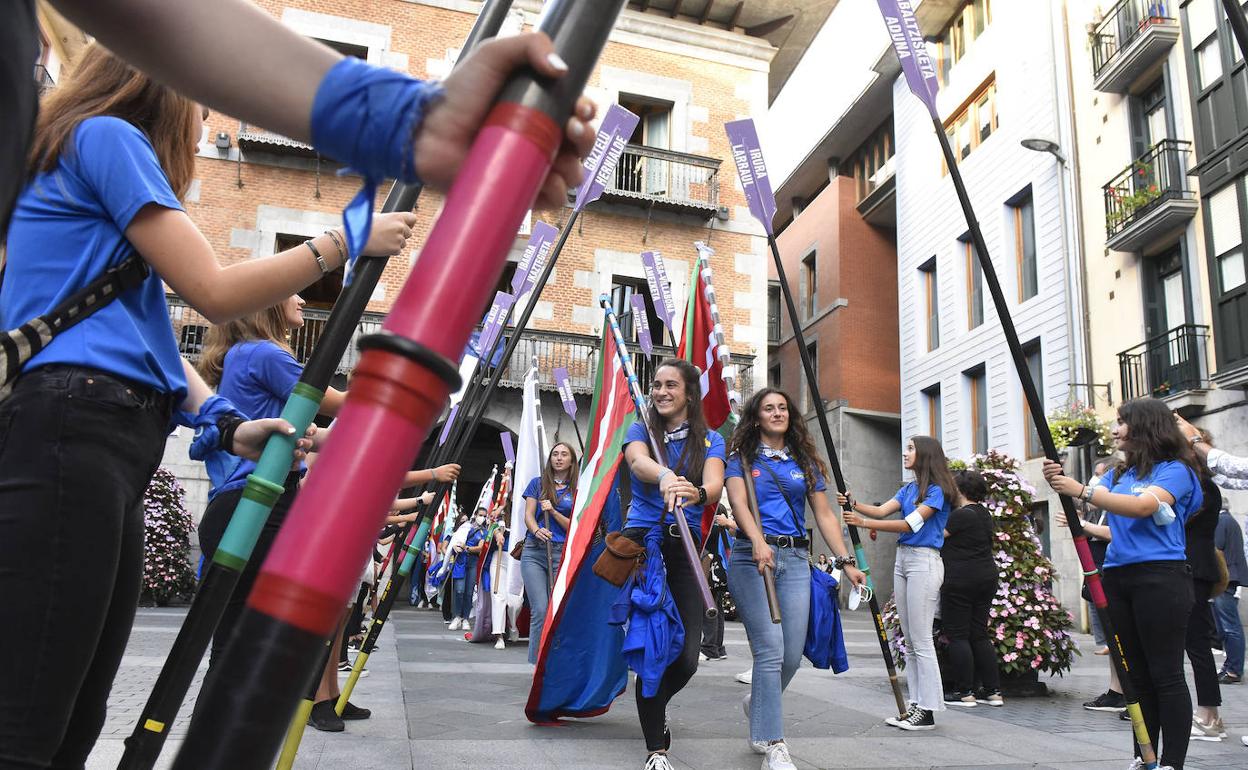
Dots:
{"x": 227, "y": 425}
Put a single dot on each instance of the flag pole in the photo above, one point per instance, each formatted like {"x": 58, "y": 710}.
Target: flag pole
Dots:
{"x": 544, "y": 451}
{"x": 264, "y": 486}
{"x": 753, "y": 174}
{"x": 686, "y": 535}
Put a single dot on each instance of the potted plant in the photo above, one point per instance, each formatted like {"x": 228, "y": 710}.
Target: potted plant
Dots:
{"x": 1066, "y": 422}
{"x": 167, "y": 573}
{"x": 1027, "y": 624}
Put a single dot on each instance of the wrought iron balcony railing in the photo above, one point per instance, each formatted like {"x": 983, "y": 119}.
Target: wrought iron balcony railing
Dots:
{"x": 1158, "y": 176}
{"x": 1167, "y": 364}
{"x": 663, "y": 177}
{"x": 579, "y": 353}
{"x": 1126, "y": 23}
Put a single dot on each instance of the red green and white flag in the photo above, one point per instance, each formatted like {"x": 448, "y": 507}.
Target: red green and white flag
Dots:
{"x": 580, "y": 668}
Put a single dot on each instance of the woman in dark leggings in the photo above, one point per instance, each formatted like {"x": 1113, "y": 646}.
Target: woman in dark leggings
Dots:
{"x": 1150, "y": 496}
{"x": 1202, "y": 558}
{"x": 967, "y": 593}
{"x": 693, "y": 477}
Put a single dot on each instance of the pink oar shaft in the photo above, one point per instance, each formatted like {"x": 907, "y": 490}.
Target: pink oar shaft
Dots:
{"x": 335, "y": 519}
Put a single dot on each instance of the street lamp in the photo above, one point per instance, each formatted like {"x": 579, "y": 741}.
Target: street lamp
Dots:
{"x": 1045, "y": 145}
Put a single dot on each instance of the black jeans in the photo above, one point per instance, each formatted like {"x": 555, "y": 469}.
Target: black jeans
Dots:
{"x": 1149, "y": 604}
{"x": 964, "y": 609}
{"x": 1200, "y": 631}
{"x": 77, "y": 450}
{"x": 682, "y": 582}
{"x": 211, "y": 529}
{"x": 713, "y": 629}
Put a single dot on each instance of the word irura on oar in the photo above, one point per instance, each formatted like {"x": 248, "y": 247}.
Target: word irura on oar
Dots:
{"x": 688, "y": 544}
{"x": 264, "y": 485}
{"x": 752, "y": 171}
{"x": 401, "y": 385}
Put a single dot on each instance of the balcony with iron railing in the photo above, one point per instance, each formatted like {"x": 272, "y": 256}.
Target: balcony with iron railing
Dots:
{"x": 877, "y": 199}
{"x": 578, "y": 353}
{"x": 667, "y": 179}
{"x": 1173, "y": 366}
{"x": 1150, "y": 198}
{"x": 1133, "y": 36}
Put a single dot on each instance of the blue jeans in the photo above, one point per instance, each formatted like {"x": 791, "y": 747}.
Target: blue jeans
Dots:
{"x": 463, "y": 589}
{"x": 1226, "y": 615}
{"x": 537, "y": 582}
{"x": 777, "y": 648}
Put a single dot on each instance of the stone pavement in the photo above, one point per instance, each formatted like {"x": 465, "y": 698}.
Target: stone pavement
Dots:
{"x": 440, "y": 702}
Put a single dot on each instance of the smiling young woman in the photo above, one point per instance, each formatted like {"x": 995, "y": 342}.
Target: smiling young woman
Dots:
{"x": 547, "y": 510}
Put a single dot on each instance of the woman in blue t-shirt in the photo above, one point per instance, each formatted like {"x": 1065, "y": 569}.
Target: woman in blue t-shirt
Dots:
{"x": 691, "y": 478}
{"x": 918, "y": 572}
{"x": 1149, "y": 497}
{"x": 85, "y": 425}
{"x": 547, "y": 512}
{"x": 787, "y": 472}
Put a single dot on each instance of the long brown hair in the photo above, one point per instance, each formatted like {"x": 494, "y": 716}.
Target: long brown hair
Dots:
{"x": 745, "y": 439}
{"x": 931, "y": 467}
{"x": 102, "y": 84}
{"x": 269, "y": 324}
{"x": 689, "y": 464}
{"x": 548, "y": 474}
{"x": 1153, "y": 436}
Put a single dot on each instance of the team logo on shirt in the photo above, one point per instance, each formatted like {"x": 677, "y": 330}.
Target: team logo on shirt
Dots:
{"x": 797, "y": 475}
{"x": 755, "y": 472}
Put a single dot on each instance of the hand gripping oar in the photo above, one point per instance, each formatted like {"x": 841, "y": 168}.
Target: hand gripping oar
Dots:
{"x": 688, "y": 542}
{"x": 264, "y": 485}
{"x": 769, "y": 576}
{"x": 400, "y": 387}
{"x": 752, "y": 171}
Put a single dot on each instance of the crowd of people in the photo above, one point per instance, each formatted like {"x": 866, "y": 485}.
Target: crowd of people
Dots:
{"x": 103, "y": 172}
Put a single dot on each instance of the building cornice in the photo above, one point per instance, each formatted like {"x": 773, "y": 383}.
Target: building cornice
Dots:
{"x": 644, "y": 30}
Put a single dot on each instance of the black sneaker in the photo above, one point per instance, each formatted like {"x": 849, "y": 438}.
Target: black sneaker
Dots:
{"x": 919, "y": 719}
{"x": 1226, "y": 677}
{"x": 1107, "y": 701}
{"x": 965, "y": 699}
{"x": 897, "y": 720}
{"x": 352, "y": 711}
{"x": 324, "y": 719}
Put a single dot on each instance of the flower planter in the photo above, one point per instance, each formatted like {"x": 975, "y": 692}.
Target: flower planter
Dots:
{"x": 1026, "y": 684}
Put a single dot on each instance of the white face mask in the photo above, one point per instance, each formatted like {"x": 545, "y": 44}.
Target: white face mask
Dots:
{"x": 480, "y": 520}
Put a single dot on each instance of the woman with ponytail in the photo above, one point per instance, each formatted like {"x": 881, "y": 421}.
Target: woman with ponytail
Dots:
{"x": 919, "y": 572}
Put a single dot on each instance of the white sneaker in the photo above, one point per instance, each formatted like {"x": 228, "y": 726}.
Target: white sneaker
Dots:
{"x": 746, "y": 676}
{"x": 658, "y": 762}
{"x": 758, "y": 747}
{"x": 778, "y": 758}
{"x": 702, "y": 657}
{"x": 1208, "y": 731}
{"x": 500, "y": 644}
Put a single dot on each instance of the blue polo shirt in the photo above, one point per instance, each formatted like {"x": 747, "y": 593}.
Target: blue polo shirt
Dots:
{"x": 1137, "y": 540}
{"x": 563, "y": 504}
{"x": 647, "y": 506}
{"x": 782, "y": 508}
{"x": 68, "y": 228}
{"x": 258, "y": 377}
{"x": 932, "y": 534}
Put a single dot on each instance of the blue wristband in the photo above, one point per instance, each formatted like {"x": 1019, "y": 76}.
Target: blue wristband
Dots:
{"x": 366, "y": 117}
